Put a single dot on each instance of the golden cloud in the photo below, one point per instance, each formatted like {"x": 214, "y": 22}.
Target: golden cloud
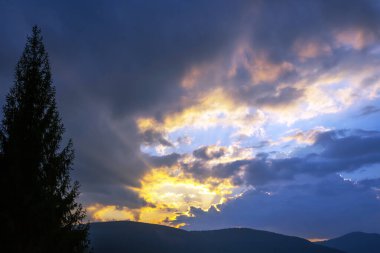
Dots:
{"x": 170, "y": 193}
{"x": 214, "y": 108}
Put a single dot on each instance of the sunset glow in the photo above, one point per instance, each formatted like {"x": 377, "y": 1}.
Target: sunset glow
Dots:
{"x": 212, "y": 114}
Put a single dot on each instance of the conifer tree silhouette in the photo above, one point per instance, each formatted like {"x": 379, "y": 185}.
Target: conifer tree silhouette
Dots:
{"x": 39, "y": 209}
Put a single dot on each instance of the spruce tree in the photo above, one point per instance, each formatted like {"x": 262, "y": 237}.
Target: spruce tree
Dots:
{"x": 39, "y": 211}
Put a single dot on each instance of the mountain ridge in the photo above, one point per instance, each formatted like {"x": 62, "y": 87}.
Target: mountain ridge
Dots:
{"x": 136, "y": 237}
{"x": 355, "y": 242}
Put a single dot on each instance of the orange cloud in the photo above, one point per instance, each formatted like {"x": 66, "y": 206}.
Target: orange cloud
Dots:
{"x": 310, "y": 49}
{"x": 260, "y": 68}
{"x": 305, "y": 137}
{"x": 354, "y": 37}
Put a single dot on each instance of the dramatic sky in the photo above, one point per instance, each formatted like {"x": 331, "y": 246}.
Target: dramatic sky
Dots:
{"x": 213, "y": 114}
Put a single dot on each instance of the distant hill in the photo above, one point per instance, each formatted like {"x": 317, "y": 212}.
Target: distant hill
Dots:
{"x": 356, "y": 242}
{"x": 135, "y": 237}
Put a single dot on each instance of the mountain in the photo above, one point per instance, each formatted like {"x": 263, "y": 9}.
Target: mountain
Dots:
{"x": 135, "y": 237}
{"x": 356, "y": 242}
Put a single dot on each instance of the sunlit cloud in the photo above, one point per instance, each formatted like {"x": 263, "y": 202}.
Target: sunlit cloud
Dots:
{"x": 181, "y": 117}
{"x": 306, "y": 50}
{"x": 355, "y": 38}
{"x": 304, "y": 137}
{"x": 170, "y": 192}
{"x": 252, "y": 90}
{"x": 259, "y": 68}
{"x": 99, "y": 212}
{"x": 241, "y": 98}
{"x": 212, "y": 109}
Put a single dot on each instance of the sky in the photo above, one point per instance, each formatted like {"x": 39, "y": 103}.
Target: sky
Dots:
{"x": 213, "y": 114}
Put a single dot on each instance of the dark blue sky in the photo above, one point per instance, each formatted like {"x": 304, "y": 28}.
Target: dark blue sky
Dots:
{"x": 211, "y": 114}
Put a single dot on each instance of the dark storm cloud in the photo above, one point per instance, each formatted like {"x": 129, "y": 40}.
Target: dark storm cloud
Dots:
{"x": 113, "y": 62}
{"x": 105, "y": 161}
{"x": 153, "y": 137}
{"x": 114, "y": 195}
{"x": 163, "y": 161}
{"x": 277, "y": 27}
{"x": 132, "y": 55}
{"x": 342, "y": 144}
{"x": 317, "y": 209}
{"x": 269, "y": 94}
{"x": 278, "y": 24}
{"x": 207, "y": 153}
{"x": 332, "y": 152}
{"x": 197, "y": 169}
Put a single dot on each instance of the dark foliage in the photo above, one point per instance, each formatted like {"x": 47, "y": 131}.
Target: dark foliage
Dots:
{"x": 39, "y": 211}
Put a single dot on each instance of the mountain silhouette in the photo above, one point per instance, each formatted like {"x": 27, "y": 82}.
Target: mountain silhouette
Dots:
{"x": 136, "y": 237}
{"x": 356, "y": 242}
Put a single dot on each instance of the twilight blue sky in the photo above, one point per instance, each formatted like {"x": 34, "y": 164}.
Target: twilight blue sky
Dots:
{"x": 213, "y": 114}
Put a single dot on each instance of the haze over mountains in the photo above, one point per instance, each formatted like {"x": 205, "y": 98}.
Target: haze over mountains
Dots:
{"x": 126, "y": 236}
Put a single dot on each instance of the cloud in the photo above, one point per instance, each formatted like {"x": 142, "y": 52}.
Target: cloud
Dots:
{"x": 153, "y": 137}
{"x": 207, "y": 110}
{"x": 307, "y": 137}
{"x": 320, "y": 208}
{"x": 369, "y": 109}
{"x": 347, "y": 144}
{"x": 137, "y": 74}
{"x": 209, "y": 152}
{"x": 115, "y": 195}
{"x": 163, "y": 161}
{"x": 112, "y": 62}
{"x": 332, "y": 152}
{"x": 320, "y": 19}
{"x": 170, "y": 192}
